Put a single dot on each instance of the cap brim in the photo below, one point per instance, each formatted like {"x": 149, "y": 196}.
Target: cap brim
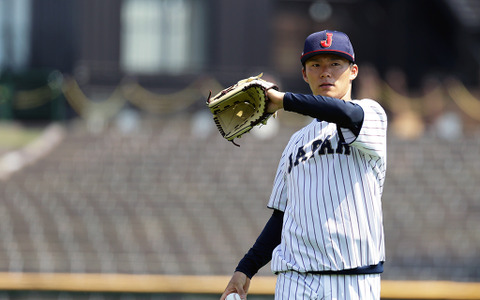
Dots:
{"x": 309, "y": 55}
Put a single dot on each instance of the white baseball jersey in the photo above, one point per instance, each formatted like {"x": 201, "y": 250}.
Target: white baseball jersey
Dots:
{"x": 331, "y": 193}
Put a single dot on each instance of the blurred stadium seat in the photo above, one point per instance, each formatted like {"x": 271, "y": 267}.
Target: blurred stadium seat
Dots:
{"x": 161, "y": 201}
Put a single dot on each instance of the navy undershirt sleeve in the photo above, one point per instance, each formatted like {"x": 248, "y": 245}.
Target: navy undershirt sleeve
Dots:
{"x": 261, "y": 252}
{"x": 345, "y": 114}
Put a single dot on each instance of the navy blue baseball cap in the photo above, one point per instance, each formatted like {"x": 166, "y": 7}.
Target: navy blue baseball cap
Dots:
{"x": 328, "y": 41}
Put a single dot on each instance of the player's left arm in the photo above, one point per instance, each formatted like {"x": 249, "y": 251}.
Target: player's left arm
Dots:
{"x": 362, "y": 123}
{"x": 346, "y": 114}
{"x": 372, "y": 137}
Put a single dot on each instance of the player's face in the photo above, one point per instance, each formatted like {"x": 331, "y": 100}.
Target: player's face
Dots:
{"x": 330, "y": 75}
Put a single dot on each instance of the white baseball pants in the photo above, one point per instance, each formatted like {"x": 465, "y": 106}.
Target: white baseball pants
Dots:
{"x": 298, "y": 286}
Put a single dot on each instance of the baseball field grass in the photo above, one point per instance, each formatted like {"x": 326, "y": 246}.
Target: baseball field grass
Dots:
{"x": 14, "y": 136}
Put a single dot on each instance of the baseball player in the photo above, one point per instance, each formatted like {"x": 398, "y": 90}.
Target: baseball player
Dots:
{"x": 325, "y": 237}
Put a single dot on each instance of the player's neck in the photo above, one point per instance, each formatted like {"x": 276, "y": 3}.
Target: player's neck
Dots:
{"x": 348, "y": 94}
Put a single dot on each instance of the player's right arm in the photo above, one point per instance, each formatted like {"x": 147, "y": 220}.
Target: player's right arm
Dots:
{"x": 257, "y": 257}
{"x": 239, "y": 283}
{"x": 261, "y": 252}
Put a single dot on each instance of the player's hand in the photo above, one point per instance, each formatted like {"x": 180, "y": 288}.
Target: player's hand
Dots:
{"x": 276, "y": 100}
{"x": 239, "y": 283}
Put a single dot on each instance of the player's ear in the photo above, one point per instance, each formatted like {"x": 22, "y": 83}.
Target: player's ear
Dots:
{"x": 353, "y": 71}
{"x": 304, "y": 73}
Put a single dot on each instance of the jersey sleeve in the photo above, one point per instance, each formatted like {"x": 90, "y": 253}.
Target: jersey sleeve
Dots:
{"x": 346, "y": 114}
{"x": 278, "y": 198}
{"x": 372, "y": 137}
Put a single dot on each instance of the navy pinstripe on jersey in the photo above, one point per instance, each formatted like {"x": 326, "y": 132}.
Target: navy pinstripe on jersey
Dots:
{"x": 329, "y": 185}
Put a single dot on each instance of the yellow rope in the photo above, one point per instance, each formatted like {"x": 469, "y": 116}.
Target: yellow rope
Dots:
{"x": 414, "y": 103}
{"x": 29, "y": 99}
{"x": 464, "y": 99}
{"x": 157, "y": 103}
{"x": 83, "y": 105}
{"x": 168, "y": 103}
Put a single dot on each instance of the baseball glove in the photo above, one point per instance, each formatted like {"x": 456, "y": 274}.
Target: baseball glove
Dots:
{"x": 240, "y": 107}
